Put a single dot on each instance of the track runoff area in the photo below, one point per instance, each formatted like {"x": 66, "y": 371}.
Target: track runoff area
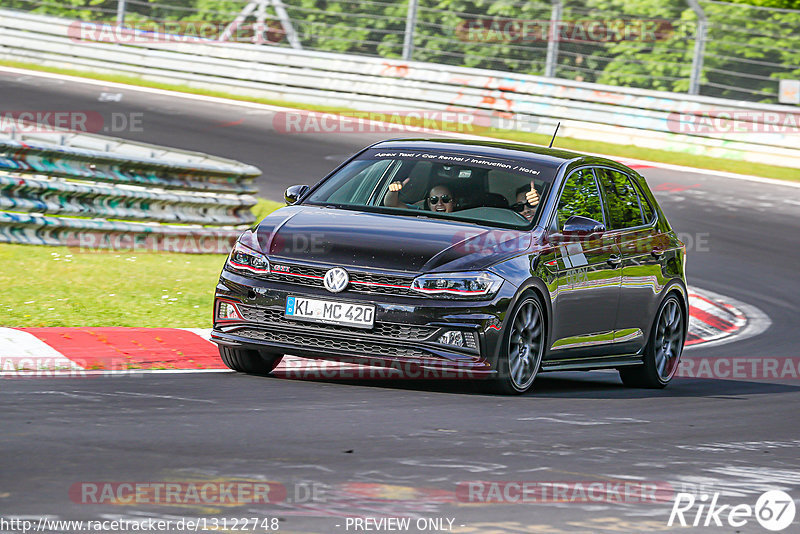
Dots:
{"x": 92, "y": 351}
{"x": 330, "y": 449}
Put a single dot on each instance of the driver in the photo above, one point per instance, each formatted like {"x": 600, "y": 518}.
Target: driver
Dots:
{"x": 439, "y": 198}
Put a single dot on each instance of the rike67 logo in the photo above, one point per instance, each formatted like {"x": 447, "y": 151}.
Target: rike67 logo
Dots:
{"x": 774, "y": 510}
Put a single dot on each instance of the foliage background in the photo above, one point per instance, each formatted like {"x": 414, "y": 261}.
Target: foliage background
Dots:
{"x": 751, "y": 44}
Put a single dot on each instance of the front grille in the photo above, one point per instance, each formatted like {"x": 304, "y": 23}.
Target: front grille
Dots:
{"x": 333, "y": 343}
{"x": 360, "y": 282}
{"x": 389, "y": 330}
{"x": 295, "y": 279}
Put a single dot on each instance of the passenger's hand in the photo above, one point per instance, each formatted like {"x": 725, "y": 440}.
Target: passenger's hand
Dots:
{"x": 397, "y": 186}
{"x": 532, "y": 196}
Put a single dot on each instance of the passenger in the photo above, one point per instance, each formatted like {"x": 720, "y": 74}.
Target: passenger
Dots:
{"x": 527, "y": 200}
{"x": 440, "y": 198}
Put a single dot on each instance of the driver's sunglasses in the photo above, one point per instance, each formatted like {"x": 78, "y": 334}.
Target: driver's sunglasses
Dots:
{"x": 519, "y": 207}
{"x": 446, "y": 199}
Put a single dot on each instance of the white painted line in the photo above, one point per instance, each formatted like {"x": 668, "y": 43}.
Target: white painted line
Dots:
{"x": 150, "y": 90}
{"x": 20, "y": 350}
{"x": 205, "y": 333}
{"x": 757, "y": 320}
{"x": 269, "y": 107}
{"x": 701, "y": 302}
{"x": 84, "y": 373}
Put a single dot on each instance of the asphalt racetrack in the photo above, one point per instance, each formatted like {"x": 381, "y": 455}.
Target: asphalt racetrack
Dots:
{"x": 378, "y": 449}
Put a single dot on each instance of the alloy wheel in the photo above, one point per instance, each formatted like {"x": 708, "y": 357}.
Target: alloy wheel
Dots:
{"x": 668, "y": 339}
{"x": 525, "y": 344}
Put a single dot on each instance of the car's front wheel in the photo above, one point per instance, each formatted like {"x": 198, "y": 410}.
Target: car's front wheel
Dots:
{"x": 663, "y": 351}
{"x": 522, "y": 348}
{"x": 249, "y": 360}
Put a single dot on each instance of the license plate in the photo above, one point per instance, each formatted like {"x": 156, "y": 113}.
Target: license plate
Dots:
{"x": 330, "y": 312}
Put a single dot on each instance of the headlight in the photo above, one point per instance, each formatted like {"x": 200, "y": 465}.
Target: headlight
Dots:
{"x": 458, "y": 285}
{"x": 246, "y": 258}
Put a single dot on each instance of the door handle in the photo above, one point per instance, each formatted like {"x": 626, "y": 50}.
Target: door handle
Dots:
{"x": 657, "y": 252}
{"x": 614, "y": 261}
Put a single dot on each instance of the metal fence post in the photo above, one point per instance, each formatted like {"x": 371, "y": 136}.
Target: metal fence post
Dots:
{"x": 699, "y": 47}
{"x": 120, "y": 12}
{"x": 411, "y": 23}
{"x": 259, "y": 7}
{"x": 551, "y": 62}
{"x": 286, "y": 23}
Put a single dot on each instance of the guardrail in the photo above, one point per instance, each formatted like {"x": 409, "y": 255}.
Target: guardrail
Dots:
{"x": 714, "y": 48}
{"x": 120, "y": 194}
{"x": 622, "y": 115}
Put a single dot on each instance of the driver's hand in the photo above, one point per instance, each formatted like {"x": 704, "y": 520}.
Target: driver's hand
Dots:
{"x": 532, "y": 196}
{"x": 397, "y": 186}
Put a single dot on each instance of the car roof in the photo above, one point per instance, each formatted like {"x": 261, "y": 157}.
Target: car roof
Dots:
{"x": 550, "y": 157}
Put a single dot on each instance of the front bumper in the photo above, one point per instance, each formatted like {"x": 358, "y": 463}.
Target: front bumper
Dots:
{"x": 406, "y": 328}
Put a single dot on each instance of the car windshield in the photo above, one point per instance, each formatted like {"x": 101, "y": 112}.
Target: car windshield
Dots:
{"x": 466, "y": 187}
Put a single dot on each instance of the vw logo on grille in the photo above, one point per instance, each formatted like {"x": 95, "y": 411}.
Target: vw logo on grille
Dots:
{"x": 336, "y": 280}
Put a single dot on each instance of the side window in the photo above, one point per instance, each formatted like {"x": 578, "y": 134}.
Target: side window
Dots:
{"x": 355, "y": 188}
{"x": 647, "y": 209}
{"x": 621, "y": 199}
{"x": 579, "y": 196}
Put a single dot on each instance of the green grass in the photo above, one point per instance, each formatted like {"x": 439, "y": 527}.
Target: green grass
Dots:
{"x": 62, "y": 286}
{"x": 624, "y": 151}
{"x": 264, "y": 208}
{"x": 59, "y": 286}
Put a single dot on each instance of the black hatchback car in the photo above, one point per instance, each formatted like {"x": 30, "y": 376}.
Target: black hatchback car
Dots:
{"x": 491, "y": 259}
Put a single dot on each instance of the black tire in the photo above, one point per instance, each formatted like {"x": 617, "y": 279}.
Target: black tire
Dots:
{"x": 663, "y": 351}
{"x": 249, "y": 360}
{"x": 522, "y": 347}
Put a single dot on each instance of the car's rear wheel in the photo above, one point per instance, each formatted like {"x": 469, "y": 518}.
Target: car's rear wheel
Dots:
{"x": 522, "y": 348}
{"x": 663, "y": 351}
{"x": 249, "y": 360}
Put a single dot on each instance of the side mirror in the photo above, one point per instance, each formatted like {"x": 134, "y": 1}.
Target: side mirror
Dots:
{"x": 582, "y": 226}
{"x": 293, "y": 193}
